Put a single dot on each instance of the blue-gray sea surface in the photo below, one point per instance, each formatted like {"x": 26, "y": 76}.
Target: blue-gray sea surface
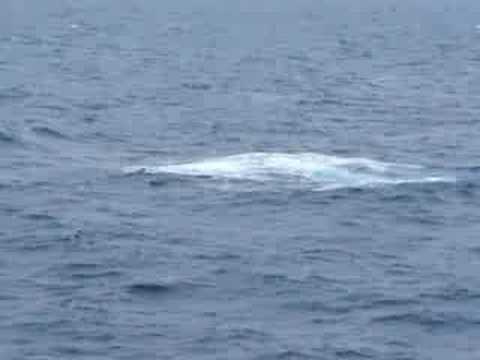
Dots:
{"x": 240, "y": 179}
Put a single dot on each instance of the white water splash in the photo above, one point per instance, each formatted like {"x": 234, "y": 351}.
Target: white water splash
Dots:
{"x": 317, "y": 171}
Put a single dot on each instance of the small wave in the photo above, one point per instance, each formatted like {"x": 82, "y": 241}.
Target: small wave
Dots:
{"x": 14, "y": 93}
{"x": 49, "y": 132}
{"x": 430, "y": 320}
{"x": 40, "y": 217}
{"x": 289, "y": 354}
{"x": 50, "y": 107}
{"x": 354, "y": 354}
{"x": 79, "y": 270}
{"x": 316, "y": 306}
{"x": 315, "y": 171}
{"x": 247, "y": 333}
{"x": 452, "y": 293}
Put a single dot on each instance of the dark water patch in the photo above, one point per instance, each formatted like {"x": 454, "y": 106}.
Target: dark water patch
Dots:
{"x": 8, "y": 297}
{"x": 221, "y": 271}
{"x": 453, "y": 293}
{"x": 475, "y": 250}
{"x": 423, "y": 218}
{"x": 225, "y": 256}
{"x": 287, "y": 355}
{"x": 306, "y": 196}
{"x": 229, "y": 139}
{"x": 391, "y": 303}
{"x": 428, "y": 320}
{"x": 49, "y": 106}
{"x": 40, "y": 217}
{"x": 7, "y": 208}
{"x": 398, "y": 197}
{"x": 81, "y": 266}
{"x": 7, "y": 138}
{"x": 247, "y": 334}
{"x": 93, "y": 106}
{"x": 89, "y": 119}
{"x": 76, "y": 351}
{"x": 425, "y": 238}
{"x": 49, "y": 132}
{"x": 165, "y": 288}
{"x": 15, "y": 93}
{"x": 409, "y": 318}
{"x": 156, "y": 289}
{"x": 39, "y": 326}
{"x": 91, "y": 135}
{"x": 137, "y": 172}
{"x": 96, "y": 135}
{"x": 328, "y": 254}
{"x": 347, "y": 192}
{"x": 400, "y": 269}
{"x": 350, "y": 354}
{"x": 97, "y": 274}
{"x": 4, "y": 186}
{"x": 167, "y": 179}
{"x": 434, "y": 193}
{"x": 475, "y": 58}
{"x": 25, "y": 184}
{"x": 173, "y": 103}
{"x": 199, "y": 86}
{"x": 32, "y": 246}
{"x": 310, "y": 103}
{"x": 139, "y": 152}
{"x": 73, "y": 236}
{"x": 96, "y": 338}
{"x": 385, "y": 256}
{"x": 89, "y": 271}
{"x": 350, "y": 223}
{"x": 251, "y": 193}
{"x": 318, "y": 306}
{"x": 61, "y": 289}
{"x": 345, "y": 305}
{"x": 279, "y": 281}
{"x": 327, "y": 281}
{"x": 72, "y": 350}
{"x": 339, "y": 120}
{"x": 468, "y": 189}
{"x": 28, "y": 39}
{"x": 103, "y": 136}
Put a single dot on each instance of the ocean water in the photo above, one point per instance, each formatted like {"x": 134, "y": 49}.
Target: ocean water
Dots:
{"x": 240, "y": 180}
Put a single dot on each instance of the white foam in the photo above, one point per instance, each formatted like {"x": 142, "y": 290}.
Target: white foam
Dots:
{"x": 322, "y": 172}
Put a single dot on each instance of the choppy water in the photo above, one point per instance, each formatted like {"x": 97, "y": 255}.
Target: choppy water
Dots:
{"x": 239, "y": 180}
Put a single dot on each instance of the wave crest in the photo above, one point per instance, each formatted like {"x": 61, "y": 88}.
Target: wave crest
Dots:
{"x": 317, "y": 171}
